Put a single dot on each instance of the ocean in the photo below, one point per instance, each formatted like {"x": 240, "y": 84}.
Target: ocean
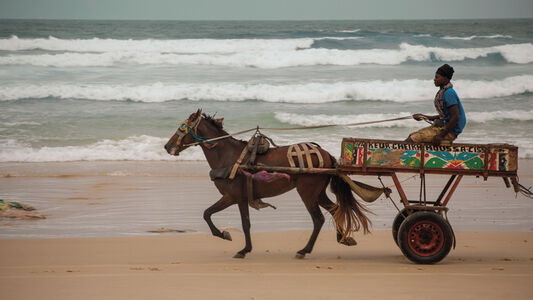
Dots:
{"x": 116, "y": 90}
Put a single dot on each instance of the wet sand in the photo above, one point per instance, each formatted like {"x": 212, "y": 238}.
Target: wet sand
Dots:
{"x": 112, "y": 199}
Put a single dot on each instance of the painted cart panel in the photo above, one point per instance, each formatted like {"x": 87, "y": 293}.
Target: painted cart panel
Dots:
{"x": 416, "y": 156}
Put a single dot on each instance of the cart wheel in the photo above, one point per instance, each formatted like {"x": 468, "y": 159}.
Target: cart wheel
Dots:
{"x": 398, "y": 220}
{"x": 425, "y": 237}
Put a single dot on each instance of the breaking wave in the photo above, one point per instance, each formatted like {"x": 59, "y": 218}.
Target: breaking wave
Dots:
{"x": 133, "y": 148}
{"x": 469, "y": 38}
{"x": 152, "y": 45}
{"x": 323, "y": 119}
{"x": 394, "y": 90}
{"x": 257, "y": 53}
{"x": 349, "y": 31}
{"x": 149, "y": 148}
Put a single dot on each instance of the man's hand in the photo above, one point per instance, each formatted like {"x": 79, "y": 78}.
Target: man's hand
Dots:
{"x": 419, "y": 117}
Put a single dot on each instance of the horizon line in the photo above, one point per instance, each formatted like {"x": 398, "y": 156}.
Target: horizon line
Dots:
{"x": 258, "y": 20}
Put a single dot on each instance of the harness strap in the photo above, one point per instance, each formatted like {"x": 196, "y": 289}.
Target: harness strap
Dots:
{"x": 222, "y": 137}
{"x": 298, "y": 128}
{"x": 301, "y": 162}
{"x": 253, "y": 155}
{"x": 256, "y": 203}
{"x": 238, "y": 162}
{"x": 307, "y": 155}
{"x": 318, "y": 154}
{"x": 191, "y": 129}
{"x": 294, "y": 150}
{"x": 289, "y": 156}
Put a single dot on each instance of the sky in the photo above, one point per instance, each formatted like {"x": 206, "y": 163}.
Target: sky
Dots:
{"x": 265, "y": 9}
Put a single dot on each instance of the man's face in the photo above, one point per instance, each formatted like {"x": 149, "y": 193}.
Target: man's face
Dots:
{"x": 440, "y": 80}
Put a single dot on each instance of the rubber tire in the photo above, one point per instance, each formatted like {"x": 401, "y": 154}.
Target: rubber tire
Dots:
{"x": 398, "y": 220}
{"x": 429, "y": 225}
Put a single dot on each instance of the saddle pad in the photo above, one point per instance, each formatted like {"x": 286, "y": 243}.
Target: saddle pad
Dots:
{"x": 303, "y": 152}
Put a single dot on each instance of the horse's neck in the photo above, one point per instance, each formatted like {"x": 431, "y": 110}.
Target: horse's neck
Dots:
{"x": 224, "y": 153}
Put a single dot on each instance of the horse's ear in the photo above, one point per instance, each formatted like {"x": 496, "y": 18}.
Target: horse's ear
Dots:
{"x": 196, "y": 115}
{"x": 219, "y": 122}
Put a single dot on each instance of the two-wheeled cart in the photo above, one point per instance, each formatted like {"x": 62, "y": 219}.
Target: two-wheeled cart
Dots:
{"x": 421, "y": 228}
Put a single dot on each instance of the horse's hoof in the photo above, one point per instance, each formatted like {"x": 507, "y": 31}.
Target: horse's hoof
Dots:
{"x": 239, "y": 255}
{"x": 226, "y": 235}
{"x": 349, "y": 241}
{"x": 299, "y": 256}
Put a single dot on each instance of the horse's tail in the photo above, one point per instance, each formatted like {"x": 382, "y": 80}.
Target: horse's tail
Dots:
{"x": 349, "y": 214}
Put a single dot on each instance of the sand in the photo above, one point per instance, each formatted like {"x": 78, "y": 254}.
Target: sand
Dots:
{"x": 121, "y": 199}
{"x": 485, "y": 265}
{"x": 493, "y": 258}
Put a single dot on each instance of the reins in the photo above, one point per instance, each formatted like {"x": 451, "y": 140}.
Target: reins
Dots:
{"x": 202, "y": 140}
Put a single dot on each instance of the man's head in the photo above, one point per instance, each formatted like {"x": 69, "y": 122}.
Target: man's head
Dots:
{"x": 443, "y": 75}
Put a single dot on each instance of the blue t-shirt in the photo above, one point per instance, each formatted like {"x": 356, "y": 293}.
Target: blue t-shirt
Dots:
{"x": 450, "y": 98}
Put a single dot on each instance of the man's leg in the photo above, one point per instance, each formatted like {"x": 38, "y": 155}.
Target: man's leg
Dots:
{"x": 424, "y": 135}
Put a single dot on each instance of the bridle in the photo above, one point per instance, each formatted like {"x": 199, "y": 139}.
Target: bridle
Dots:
{"x": 190, "y": 128}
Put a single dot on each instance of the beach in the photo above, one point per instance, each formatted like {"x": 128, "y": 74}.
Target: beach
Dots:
{"x": 130, "y": 198}
{"x": 87, "y": 106}
{"x": 95, "y": 242}
{"x": 485, "y": 265}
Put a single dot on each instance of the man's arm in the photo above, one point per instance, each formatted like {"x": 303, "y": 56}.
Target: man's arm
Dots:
{"x": 420, "y": 117}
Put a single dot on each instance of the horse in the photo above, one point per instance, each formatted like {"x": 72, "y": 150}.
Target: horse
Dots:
{"x": 348, "y": 213}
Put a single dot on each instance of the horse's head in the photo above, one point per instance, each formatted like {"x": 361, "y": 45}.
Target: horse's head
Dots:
{"x": 188, "y": 133}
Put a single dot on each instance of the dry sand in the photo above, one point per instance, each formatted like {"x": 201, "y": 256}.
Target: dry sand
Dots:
{"x": 485, "y": 265}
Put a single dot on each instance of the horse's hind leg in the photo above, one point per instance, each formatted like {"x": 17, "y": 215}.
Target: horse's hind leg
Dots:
{"x": 245, "y": 219}
{"x": 221, "y": 204}
{"x": 327, "y": 204}
{"x": 309, "y": 196}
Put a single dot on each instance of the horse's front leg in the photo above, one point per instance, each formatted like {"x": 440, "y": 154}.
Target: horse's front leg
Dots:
{"x": 221, "y": 204}
{"x": 245, "y": 219}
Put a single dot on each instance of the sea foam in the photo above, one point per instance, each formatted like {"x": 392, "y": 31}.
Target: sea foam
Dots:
{"x": 133, "y": 148}
{"x": 469, "y": 38}
{"x": 323, "y": 119}
{"x": 393, "y": 90}
{"x": 257, "y": 53}
{"x": 153, "y": 45}
{"x": 149, "y": 148}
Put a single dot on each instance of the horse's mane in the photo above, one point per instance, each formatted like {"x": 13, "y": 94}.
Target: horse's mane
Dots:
{"x": 218, "y": 125}
{"x": 213, "y": 122}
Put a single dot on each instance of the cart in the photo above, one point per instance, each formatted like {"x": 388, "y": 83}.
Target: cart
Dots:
{"x": 421, "y": 228}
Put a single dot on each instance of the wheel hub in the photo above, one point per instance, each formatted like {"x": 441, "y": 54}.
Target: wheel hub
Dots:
{"x": 425, "y": 238}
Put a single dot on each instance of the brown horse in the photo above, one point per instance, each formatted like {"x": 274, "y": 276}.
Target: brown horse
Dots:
{"x": 347, "y": 213}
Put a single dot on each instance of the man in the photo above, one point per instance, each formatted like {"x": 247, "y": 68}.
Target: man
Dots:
{"x": 450, "y": 121}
